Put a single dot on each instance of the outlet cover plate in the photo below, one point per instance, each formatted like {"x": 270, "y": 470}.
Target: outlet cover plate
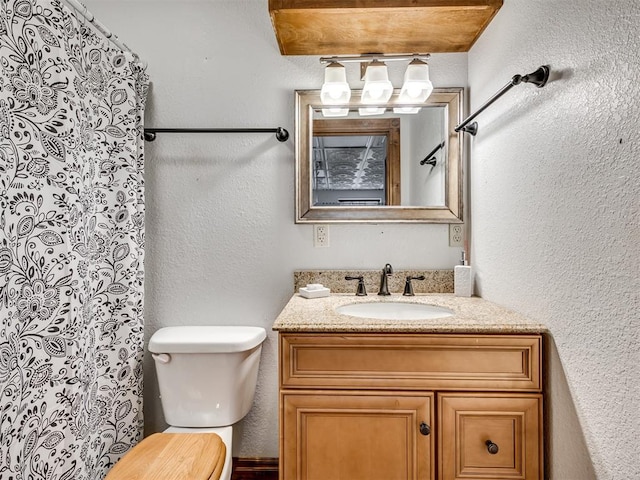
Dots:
{"x": 456, "y": 235}
{"x": 320, "y": 235}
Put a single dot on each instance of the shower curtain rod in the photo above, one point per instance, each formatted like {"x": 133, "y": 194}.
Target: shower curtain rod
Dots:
{"x": 282, "y": 135}
{"x": 87, "y": 15}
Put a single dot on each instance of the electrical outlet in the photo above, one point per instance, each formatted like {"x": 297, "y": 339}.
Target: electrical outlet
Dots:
{"x": 456, "y": 235}
{"x": 321, "y": 235}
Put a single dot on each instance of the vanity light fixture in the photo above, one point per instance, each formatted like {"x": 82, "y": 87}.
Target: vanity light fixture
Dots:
{"x": 335, "y": 90}
{"x": 377, "y": 89}
{"x": 416, "y": 87}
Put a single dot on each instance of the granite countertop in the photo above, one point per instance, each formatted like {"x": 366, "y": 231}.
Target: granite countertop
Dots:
{"x": 471, "y": 315}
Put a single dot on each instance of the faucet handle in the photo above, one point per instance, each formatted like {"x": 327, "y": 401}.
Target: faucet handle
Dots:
{"x": 408, "y": 287}
{"x": 361, "y": 290}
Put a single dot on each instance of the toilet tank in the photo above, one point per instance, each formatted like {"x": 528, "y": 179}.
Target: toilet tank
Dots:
{"x": 207, "y": 375}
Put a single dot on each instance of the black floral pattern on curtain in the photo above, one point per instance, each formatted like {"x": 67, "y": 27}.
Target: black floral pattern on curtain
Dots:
{"x": 71, "y": 245}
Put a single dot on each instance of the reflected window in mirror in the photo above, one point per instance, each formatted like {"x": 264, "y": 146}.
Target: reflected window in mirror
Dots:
{"x": 392, "y": 167}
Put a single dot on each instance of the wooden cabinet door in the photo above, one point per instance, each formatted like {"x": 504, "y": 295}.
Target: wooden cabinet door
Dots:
{"x": 489, "y": 436}
{"x": 349, "y": 435}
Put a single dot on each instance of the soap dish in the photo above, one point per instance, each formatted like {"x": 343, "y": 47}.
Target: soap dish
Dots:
{"x": 314, "y": 291}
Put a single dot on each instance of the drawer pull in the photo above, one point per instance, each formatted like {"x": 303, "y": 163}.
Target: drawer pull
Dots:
{"x": 492, "y": 448}
{"x": 425, "y": 429}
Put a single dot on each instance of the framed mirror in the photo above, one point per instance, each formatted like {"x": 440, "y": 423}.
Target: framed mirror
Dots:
{"x": 391, "y": 167}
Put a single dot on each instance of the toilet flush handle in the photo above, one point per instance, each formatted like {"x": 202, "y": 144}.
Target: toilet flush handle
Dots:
{"x": 161, "y": 357}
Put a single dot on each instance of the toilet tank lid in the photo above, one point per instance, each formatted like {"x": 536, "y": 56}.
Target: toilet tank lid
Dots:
{"x": 206, "y": 339}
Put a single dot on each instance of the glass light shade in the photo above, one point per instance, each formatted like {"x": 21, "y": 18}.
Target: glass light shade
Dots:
{"x": 335, "y": 112}
{"x": 416, "y": 87}
{"x": 335, "y": 90}
{"x": 365, "y": 111}
{"x": 406, "y": 109}
{"x": 377, "y": 87}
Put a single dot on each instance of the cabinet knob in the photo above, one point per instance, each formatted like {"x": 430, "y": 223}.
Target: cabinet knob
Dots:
{"x": 492, "y": 448}
{"x": 425, "y": 429}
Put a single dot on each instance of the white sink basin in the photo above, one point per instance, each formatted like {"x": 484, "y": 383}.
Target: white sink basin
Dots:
{"x": 394, "y": 311}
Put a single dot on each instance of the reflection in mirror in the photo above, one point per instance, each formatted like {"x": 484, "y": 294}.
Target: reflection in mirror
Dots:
{"x": 356, "y": 162}
{"x": 393, "y": 167}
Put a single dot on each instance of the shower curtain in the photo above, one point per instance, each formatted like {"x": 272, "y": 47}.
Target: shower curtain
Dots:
{"x": 71, "y": 245}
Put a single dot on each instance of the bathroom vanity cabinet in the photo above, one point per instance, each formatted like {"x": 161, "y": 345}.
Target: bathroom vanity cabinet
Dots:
{"x": 395, "y": 406}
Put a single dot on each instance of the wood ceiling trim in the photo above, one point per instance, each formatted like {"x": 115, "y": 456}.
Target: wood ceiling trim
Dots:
{"x": 334, "y": 27}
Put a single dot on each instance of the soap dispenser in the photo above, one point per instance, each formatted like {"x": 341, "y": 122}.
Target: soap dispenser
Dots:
{"x": 463, "y": 278}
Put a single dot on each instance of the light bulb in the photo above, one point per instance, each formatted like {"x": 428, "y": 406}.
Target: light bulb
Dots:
{"x": 334, "y": 93}
{"x": 414, "y": 91}
{"x": 376, "y": 91}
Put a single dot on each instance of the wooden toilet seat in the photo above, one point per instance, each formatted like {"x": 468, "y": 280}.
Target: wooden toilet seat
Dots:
{"x": 173, "y": 456}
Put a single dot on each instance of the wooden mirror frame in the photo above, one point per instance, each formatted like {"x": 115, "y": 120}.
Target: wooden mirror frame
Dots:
{"x": 308, "y": 100}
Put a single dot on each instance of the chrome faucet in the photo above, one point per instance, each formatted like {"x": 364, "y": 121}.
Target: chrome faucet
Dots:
{"x": 386, "y": 273}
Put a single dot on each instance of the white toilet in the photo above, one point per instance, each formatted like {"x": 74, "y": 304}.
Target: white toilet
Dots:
{"x": 207, "y": 377}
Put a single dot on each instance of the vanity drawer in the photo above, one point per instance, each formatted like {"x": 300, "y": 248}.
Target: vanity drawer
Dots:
{"x": 411, "y": 361}
{"x": 496, "y": 436}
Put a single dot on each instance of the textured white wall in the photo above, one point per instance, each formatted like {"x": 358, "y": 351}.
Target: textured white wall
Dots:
{"x": 221, "y": 241}
{"x": 555, "y": 206}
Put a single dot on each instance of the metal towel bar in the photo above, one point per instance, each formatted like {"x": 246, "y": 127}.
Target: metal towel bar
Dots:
{"x": 282, "y": 135}
{"x": 538, "y": 78}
